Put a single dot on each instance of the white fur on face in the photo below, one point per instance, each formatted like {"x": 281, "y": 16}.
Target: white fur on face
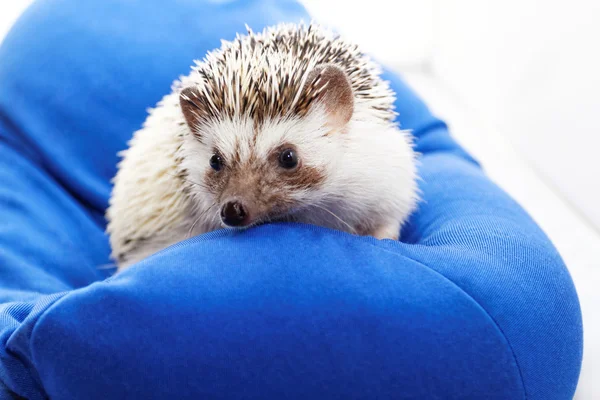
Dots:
{"x": 242, "y": 140}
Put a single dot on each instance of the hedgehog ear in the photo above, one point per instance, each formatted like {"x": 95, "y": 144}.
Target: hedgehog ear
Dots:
{"x": 335, "y": 93}
{"x": 193, "y": 107}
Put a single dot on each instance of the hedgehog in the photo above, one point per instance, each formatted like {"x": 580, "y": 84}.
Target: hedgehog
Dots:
{"x": 290, "y": 124}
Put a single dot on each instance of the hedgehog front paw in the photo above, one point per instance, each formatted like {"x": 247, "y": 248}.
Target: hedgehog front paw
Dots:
{"x": 389, "y": 230}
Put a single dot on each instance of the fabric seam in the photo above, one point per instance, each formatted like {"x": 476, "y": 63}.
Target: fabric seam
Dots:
{"x": 512, "y": 351}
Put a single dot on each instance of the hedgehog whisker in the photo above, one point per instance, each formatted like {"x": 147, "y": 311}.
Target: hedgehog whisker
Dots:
{"x": 106, "y": 266}
{"x": 189, "y": 234}
{"x": 308, "y": 205}
{"x": 333, "y": 215}
{"x": 200, "y": 185}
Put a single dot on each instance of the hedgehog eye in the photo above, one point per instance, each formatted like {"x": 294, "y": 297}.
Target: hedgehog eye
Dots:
{"x": 216, "y": 162}
{"x": 288, "y": 159}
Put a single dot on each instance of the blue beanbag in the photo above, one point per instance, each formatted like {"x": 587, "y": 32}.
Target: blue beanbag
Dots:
{"x": 473, "y": 303}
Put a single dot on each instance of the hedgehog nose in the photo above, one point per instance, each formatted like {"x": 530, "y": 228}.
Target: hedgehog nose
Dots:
{"x": 233, "y": 213}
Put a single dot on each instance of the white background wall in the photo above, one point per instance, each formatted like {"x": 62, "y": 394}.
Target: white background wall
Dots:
{"x": 399, "y": 33}
{"x": 9, "y": 11}
{"x": 531, "y": 68}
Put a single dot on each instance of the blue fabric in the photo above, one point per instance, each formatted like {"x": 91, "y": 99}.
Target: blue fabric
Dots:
{"x": 473, "y": 303}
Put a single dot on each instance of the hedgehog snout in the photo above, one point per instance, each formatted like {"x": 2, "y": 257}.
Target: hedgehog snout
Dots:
{"x": 235, "y": 214}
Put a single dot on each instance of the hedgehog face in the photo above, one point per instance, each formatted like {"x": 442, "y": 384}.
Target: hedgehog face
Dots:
{"x": 261, "y": 167}
{"x": 254, "y": 174}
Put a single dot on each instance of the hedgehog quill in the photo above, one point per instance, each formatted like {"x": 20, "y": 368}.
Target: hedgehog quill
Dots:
{"x": 289, "y": 124}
